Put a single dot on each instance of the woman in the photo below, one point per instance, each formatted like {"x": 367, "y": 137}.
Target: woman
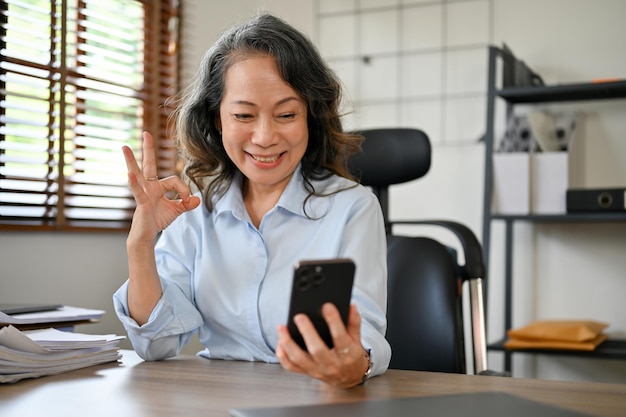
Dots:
{"x": 261, "y": 136}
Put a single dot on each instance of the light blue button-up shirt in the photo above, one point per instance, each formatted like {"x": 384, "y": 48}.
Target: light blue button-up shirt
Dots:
{"x": 231, "y": 282}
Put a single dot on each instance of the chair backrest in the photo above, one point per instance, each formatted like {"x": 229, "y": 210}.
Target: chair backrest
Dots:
{"x": 424, "y": 312}
{"x": 390, "y": 156}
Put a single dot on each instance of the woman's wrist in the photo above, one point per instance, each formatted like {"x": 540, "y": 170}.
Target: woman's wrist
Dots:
{"x": 137, "y": 244}
{"x": 368, "y": 369}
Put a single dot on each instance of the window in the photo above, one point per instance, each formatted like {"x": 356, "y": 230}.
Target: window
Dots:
{"x": 78, "y": 79}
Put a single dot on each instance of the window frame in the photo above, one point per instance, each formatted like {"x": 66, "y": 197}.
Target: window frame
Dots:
{"x": 160, "y": 83}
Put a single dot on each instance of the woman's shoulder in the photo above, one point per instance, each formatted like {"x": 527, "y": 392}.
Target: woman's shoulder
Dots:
{"x": 343, "y": 188}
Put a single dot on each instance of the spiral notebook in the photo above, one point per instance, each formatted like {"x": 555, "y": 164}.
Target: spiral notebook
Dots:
{"x": 484, "y": 404}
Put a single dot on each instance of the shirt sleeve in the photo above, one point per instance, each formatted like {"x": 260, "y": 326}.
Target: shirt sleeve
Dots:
{"x": 174, "y": 319}
{"x": 365, "y": 242}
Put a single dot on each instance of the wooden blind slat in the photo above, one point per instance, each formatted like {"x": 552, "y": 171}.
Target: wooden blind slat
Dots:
{"x": 78, "y": 79}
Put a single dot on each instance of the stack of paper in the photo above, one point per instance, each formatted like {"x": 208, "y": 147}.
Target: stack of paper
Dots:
{"x": 35, "y": 353}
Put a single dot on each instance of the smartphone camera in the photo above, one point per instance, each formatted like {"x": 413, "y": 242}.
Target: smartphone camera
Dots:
{"x": 311, "y": 277}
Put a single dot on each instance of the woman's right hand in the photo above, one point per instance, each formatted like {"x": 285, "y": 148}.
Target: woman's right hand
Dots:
{"x": 154, "y": 211}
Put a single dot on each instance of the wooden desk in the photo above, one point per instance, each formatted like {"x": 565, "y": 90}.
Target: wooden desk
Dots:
{"x": 191, "y": 386}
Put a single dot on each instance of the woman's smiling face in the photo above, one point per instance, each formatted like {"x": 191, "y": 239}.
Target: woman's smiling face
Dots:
{"x": 263, "y": 121}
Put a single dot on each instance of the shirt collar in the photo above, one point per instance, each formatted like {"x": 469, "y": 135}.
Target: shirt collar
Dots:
{"x": 232, "y": 200}
{"x": 295, "y": 194}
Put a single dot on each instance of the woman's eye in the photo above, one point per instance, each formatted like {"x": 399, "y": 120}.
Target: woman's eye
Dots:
{"x": 242, "y": 116}
{"x": 287, "y": 116}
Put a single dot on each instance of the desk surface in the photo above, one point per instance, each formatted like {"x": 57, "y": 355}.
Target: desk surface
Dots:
{"x": 192, "y": 386}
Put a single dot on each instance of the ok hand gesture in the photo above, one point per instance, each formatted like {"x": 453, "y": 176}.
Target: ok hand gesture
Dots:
{"x": 155, "y": 211}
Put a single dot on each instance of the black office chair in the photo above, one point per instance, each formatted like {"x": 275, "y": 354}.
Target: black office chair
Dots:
{"x": 424, "y": 309}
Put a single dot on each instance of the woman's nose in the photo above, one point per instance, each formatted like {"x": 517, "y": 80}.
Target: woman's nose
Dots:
{"x": 264, "y": 134}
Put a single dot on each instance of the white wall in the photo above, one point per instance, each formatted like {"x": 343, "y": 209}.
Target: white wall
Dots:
{"x": 204, "y": 21}
{"x": 571, "y": 271}
{"x": 76, "y": 269}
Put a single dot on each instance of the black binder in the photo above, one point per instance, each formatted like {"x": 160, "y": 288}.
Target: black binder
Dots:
{"x": 596, "y": 200}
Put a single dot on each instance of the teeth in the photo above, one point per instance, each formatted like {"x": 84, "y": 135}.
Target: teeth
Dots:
{"x": 267, "y": 159}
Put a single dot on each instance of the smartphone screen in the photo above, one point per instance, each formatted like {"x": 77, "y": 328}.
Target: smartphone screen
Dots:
{"x": 316, "y": 282}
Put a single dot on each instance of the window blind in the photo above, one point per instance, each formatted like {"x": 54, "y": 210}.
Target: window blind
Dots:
{"x": 79, "y": 79}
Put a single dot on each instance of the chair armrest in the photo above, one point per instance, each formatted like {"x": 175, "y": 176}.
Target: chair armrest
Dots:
{"x": 472, "y": 249}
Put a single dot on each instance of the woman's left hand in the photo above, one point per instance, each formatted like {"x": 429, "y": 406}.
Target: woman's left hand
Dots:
{"x": 342, "y": 366}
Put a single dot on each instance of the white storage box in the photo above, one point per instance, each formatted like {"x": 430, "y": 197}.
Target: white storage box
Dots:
{"x": 511, "y": 183}
{"x": 548, "y": 182}
{"x": 537, "y": 182}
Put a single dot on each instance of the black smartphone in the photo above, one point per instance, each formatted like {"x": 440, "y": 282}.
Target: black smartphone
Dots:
{"x": 316, "y": 282}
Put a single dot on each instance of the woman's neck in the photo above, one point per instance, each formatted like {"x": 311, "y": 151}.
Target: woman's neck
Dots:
{"x": 259, "y": 199}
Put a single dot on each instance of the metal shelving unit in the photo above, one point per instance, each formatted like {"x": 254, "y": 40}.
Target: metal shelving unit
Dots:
{"x": 564, "y": 92}
{"x": 614, "y": 349}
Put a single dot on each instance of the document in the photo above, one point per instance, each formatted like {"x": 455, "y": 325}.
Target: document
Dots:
{"x": 53, "y": 339}
{"x": 35, "y": 353}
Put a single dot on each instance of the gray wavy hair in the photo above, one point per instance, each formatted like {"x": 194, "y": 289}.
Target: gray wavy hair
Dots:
{"x": 301, "y": 66}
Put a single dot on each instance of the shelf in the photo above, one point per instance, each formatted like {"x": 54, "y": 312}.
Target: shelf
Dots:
{"x": 564, "y": 92}
{"x": 514, "y": 95}
{"x": 609, "y": 349}
{"x": 606, "y": 217}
